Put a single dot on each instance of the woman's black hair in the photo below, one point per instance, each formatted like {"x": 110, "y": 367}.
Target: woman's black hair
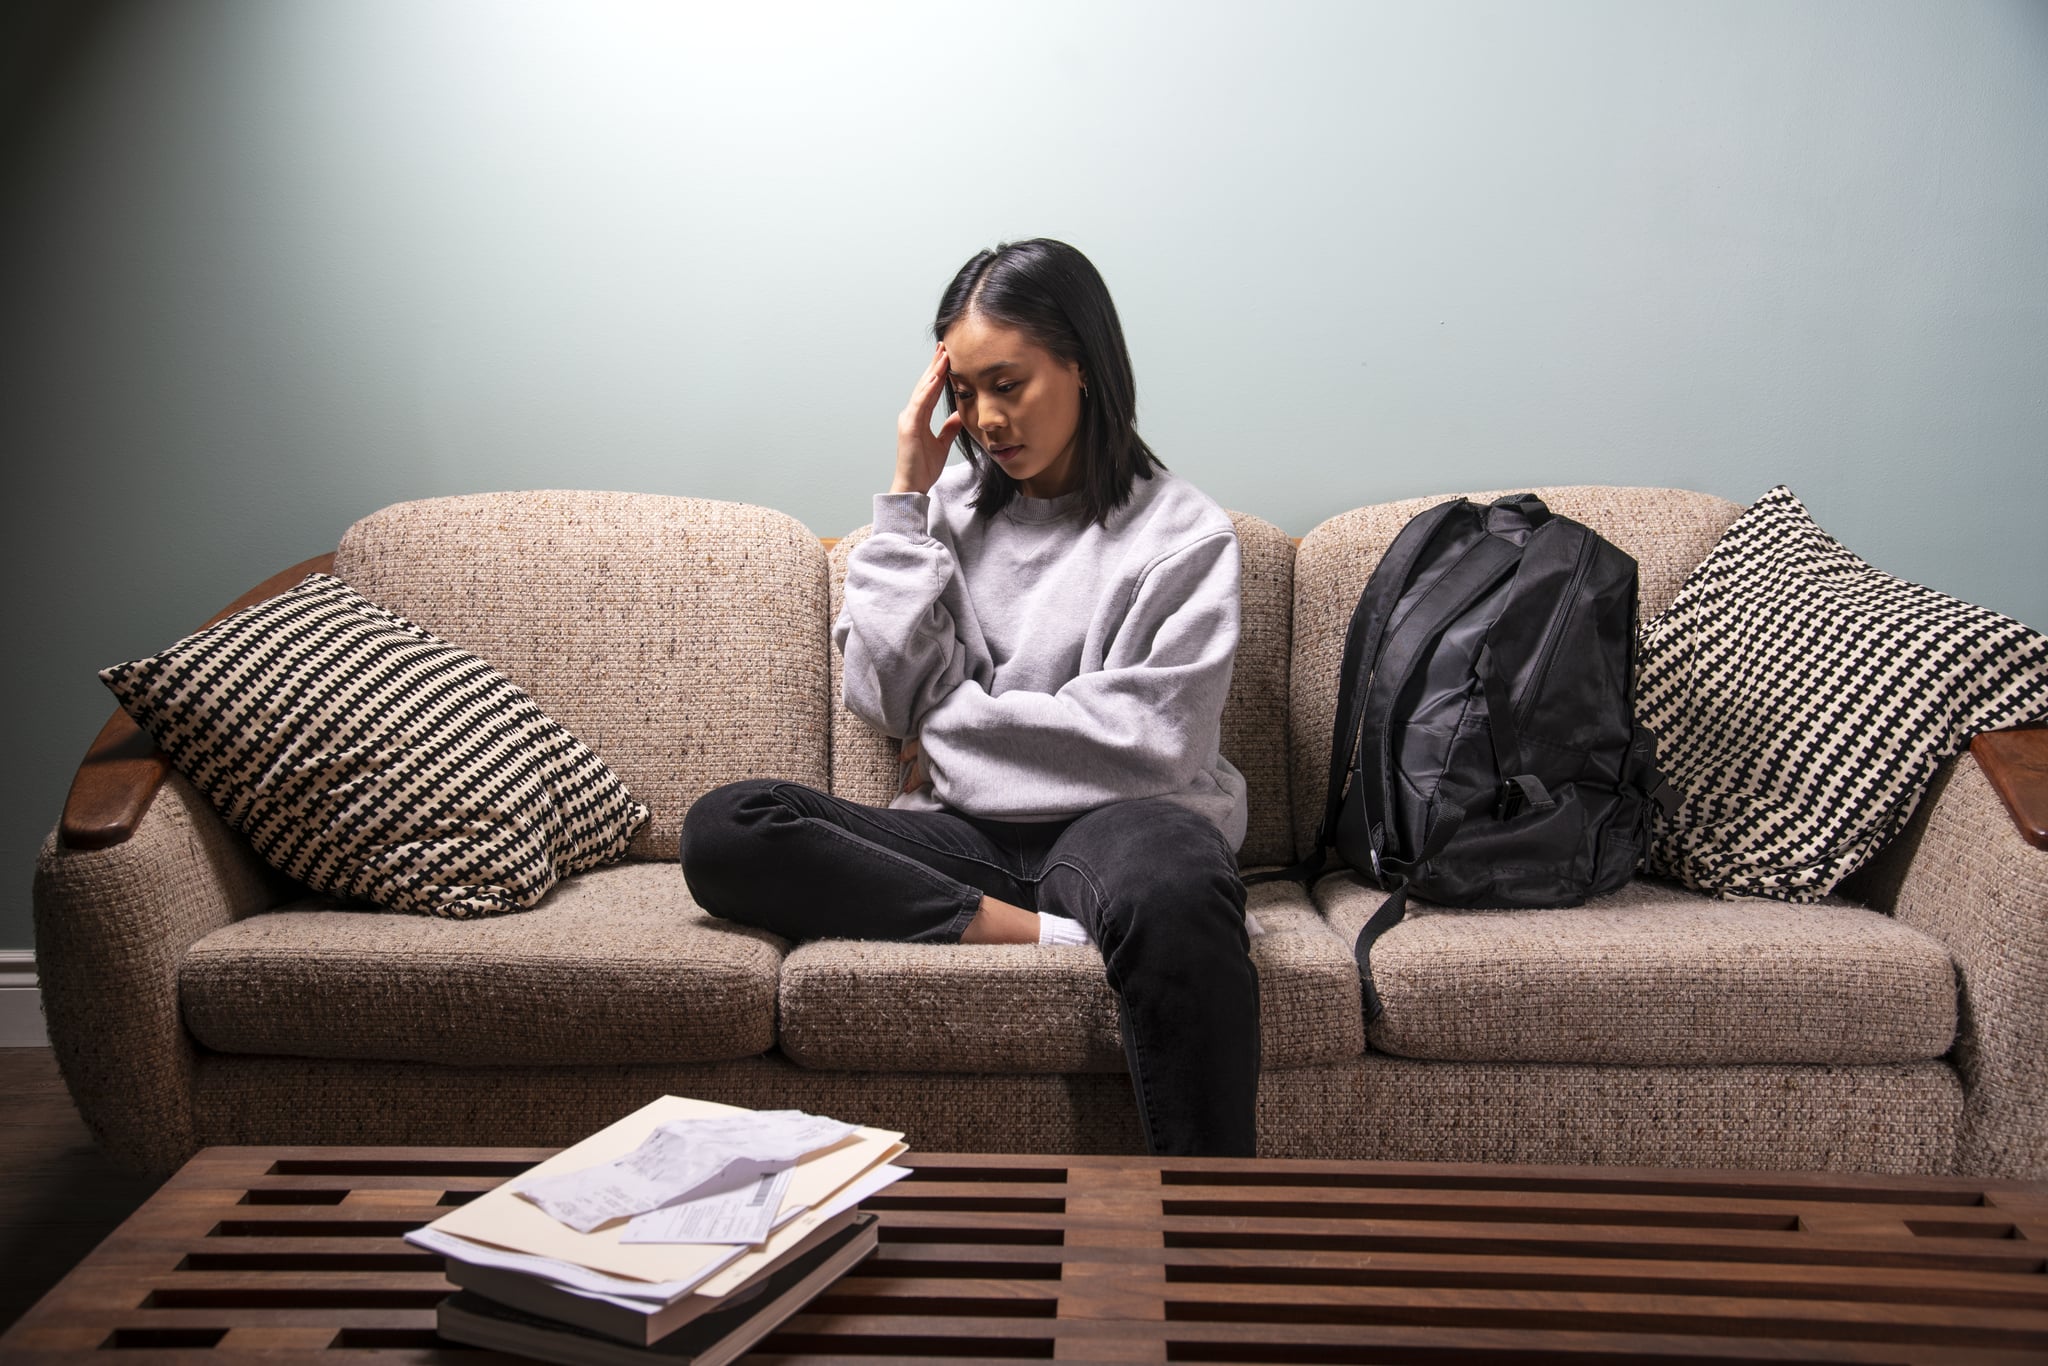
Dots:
{"x": 1052, "y": 294}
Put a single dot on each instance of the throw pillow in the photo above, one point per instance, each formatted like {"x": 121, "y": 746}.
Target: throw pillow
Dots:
{"x": 1803, "y": 701}
{"x": 367, "y": 757}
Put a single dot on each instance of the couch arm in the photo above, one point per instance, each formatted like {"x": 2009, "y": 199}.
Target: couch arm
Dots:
{"x": 1962, "y": 872}
{"x": 139, "y": 869}
{"x": 112, "y": 928}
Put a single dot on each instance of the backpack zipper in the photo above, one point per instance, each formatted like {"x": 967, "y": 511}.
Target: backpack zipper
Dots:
{"x": 1542, "y": 674}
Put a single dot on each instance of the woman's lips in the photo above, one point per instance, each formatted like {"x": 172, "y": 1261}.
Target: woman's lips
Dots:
{"x": 1004, "y": 452}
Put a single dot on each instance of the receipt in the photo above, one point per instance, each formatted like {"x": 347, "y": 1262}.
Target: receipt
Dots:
{"x": 682, "y": 1159}
{"x": 743, "y": 1214}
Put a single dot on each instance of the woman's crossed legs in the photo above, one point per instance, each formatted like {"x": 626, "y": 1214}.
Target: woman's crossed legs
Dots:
{"x": 1153, "y": 883}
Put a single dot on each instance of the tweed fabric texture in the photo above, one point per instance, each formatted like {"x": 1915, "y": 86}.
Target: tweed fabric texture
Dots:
{"x": 851, "y": 1005}
{"x": 1668, "y": 531}
{"x": 684, "y": 639}
{"x": 1255, "y": 715}
{"x": 1652, "y": 974}
{"x": 291, "y": 1100}
{"x": 615, "y": 966}
{"x": 1961, "y": 873}
{"x": 111, "y": 927}
{"x": 1254, "y": 738}
{"x": 1894, "y": 1118}
{"x": 364, "y": 756}
{"x": 864, "y": 766}
{"x": 1804, "y": 700}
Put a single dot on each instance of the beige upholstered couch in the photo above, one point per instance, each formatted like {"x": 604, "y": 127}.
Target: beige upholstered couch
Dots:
{"x": 194, "y": 998}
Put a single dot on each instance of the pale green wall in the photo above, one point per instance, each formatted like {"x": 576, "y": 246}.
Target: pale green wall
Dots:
{"x": 270, "y": 264}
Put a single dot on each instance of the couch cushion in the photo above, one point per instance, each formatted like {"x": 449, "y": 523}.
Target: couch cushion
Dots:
{"x": 1668, "y": 531}
{"x": 614, "y": 966}
{"x": 683, "y": 639}
{"x": 850, "y": 1005}
{"x": 1804, "y": 699}
{"x": 1652, "y": 974}
{"x": 365, "y": 757}
{"x": 1254, "y": 715}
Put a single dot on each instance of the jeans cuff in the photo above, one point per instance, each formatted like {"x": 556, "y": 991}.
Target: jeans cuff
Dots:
{"x": 958, "y": 925}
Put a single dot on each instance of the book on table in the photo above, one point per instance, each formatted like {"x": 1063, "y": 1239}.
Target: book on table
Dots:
{"x": 592, "y": 1240}
{"x": 710, "y": 1338}
{"x": 638, "y": 1322}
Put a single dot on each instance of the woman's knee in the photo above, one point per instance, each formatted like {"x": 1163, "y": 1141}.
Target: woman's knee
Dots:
{"x": 1158, "y": 861}
{"x": 719, "y": 833}
{"x": 1172, "y": 854}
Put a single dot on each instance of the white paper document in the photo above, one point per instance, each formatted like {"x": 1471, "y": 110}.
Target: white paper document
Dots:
{"x": 682, "y": 1159}
{"x": 645, "y": 1296}
{"x": 642, "y": 1297}
{"x": 738, "y": 1214}
{"x": 511, "y": 1223}
{"x": 736, "y": 1273}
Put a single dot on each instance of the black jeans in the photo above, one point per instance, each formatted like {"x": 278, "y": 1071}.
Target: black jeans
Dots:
{"x": 1154, "y": 884}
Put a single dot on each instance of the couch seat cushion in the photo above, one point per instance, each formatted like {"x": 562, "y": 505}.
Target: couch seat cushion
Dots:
{"x": 614, "y": 966}
{"x": 864, "y": 1006}
{"x": 1653, "y": 974}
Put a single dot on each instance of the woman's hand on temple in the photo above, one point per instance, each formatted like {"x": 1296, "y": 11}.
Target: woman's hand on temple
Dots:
{"x": 921, "y": 453}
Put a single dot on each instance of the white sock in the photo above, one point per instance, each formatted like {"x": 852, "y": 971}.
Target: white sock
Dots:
{"x": 1057, "y": 929}
{"x": 1252, "y": 925}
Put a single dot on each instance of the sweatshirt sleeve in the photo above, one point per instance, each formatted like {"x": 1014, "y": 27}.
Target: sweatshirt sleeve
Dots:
{"x": 1146, "y": 724}
{"x": 901, "y": 650}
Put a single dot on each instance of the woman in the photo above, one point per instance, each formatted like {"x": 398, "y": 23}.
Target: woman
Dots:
{"x": 1048, "y": 629}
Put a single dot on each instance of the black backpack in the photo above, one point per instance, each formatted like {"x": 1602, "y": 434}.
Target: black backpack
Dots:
{"x": 1486, "y": 751}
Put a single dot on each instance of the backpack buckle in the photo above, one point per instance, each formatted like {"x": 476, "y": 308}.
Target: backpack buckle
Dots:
{"x": 1523, "y": 792}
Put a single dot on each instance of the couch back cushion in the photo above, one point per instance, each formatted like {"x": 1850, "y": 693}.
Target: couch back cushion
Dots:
{"x": 1668, "y": 531}
{"x": 682, "y": 639}
{"x": 1254, "y": 716}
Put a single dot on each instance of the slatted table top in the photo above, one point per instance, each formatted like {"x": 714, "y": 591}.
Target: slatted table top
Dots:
{"x": 295, "y": 1253}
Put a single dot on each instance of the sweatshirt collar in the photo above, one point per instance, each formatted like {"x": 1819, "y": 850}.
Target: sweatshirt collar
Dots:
{"x": 1023, "y": 508}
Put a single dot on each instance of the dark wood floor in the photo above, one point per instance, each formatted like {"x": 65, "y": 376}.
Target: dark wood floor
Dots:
{"x": 59, "y": 1194}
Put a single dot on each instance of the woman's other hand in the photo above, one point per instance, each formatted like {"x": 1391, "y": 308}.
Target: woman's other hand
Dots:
{"x": 921, "y": 453}
{"x": 911, "y": 756}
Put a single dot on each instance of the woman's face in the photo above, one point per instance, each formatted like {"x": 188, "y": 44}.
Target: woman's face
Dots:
{"x": 1021, "y": 402}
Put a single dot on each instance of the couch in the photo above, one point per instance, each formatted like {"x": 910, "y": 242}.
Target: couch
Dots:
{"x": 195, "y": 997}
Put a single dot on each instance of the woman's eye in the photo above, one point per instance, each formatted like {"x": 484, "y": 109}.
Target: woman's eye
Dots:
{"x": 1006, "y": 388}
{"x": 961, "y": 395}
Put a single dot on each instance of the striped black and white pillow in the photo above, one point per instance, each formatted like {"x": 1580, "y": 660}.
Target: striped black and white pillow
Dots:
{"x": 1803, "y": 701}
{"x": 368, "y": 758}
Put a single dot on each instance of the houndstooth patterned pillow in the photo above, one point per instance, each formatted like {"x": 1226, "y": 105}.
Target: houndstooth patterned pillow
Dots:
{"x": 1803, "y": 701}
{"x": 366, "y": 757}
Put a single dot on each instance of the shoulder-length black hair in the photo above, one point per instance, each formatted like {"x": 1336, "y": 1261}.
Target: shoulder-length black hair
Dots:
{"x": 1052, "y": 294}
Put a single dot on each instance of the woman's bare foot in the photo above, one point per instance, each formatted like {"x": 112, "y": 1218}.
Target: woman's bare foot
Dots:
{"x": 998, "y": 922}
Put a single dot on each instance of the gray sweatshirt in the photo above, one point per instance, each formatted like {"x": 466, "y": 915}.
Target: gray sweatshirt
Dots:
{"x": 1046, "y": 665}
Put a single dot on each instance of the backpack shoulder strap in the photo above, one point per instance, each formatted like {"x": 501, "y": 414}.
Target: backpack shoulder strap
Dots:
{"x": 1361, "y": 647}
{"x": 1479, "y": 569}
{"x": 1554, "y": 559}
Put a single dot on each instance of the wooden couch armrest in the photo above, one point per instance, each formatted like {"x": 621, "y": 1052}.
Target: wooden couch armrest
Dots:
{"x": 123, "y": 770}
{"x": 2016, "y": 763}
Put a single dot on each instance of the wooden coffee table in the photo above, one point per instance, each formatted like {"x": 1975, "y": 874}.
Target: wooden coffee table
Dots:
{"x": 293, "y": 1253}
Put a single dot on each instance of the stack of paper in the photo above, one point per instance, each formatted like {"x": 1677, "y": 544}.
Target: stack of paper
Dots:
{"x": 685, "y": 1214}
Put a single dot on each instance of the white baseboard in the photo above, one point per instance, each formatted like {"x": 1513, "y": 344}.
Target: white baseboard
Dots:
{"x": 21, "y": 1002}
